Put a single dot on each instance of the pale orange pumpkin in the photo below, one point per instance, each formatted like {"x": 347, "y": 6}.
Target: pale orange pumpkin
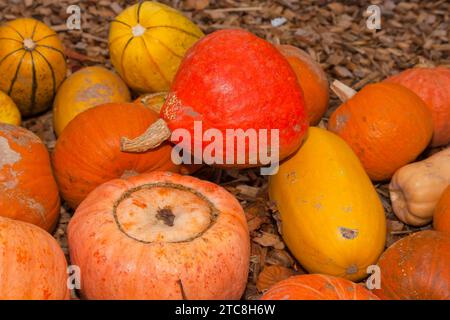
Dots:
{"x": 28, "y": 190}
{"x": 312, "y": 79}
{"x": 441, "y": 218}
{"x": 32, "y": 264}
{"x": 160, "y": 235}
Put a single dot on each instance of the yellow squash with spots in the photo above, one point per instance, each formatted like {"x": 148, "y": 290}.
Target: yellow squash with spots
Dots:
{"x": 86, "y": 88}
{"x": 147, "y": 42}
{"x": 332, "y": 218}
{"x": 9, "y": 113}
{"x": 32, "y": 64}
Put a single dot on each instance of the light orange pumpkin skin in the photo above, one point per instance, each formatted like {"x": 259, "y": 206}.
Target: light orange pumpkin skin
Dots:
{"x": 125, "y": 253}
{"x": 433, "y": 86}
{"x": 441, "y": 218}
{"x": 32, "y": 264}
{"x": 312, "y": 79}
{"x": 386, "y": 125}
{"x": 32, "y": 64}
{"x": 28, "y": 190}
{"x": 317, "y": 287}
{"x": 416, "y": 268}
{"x": 88, "y": 153}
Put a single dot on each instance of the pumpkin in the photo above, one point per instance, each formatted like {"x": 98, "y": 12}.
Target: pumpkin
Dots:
{"x": 147, "y": 42}
{"x": 32, "y": 64}
{"x": 312, "y": 79}
{"x": 153, "y": 101}
{"x": 85, "y": 89}
{"x": 433, "y": 86}
{"x": 416, "y": 188}
{"x": 272, "y": 275}
{"x": 377, "y": 122}
{"x": 160, "y": 235}
{"x": 441, "y": 218}
{"x": 332, "y": 218}
{"x": 32, "y": 264}
{"x": 9, "y": 113}
{"x": 416, "y": 268}
{"x": 317, "y": 287}
{"x": 84, "y": 161}
{"x": 28, "y": 190}
{"x": 227, "y": 82}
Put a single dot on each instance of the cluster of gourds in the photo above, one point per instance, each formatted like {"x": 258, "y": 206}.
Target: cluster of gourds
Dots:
{"x": 141, "y": 230}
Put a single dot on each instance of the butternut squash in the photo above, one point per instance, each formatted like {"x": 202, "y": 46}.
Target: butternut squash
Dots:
{"x": 416, "y": 188}
{"x": 332, "y": 218}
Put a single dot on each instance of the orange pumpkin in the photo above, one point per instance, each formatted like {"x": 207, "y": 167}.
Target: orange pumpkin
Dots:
{"x": 28, "y": 190}
{"x": 160, "y": 235}
{"x": 416, "y": 268}
{"x": 32, "y": 64}
{"x": 32, "y": 264}
{"x": 386, "y": 125}
{"x": 433, "y": 86}
{"x": 442, "y": 213}
{"x": 312, "y": 79}
{"x": 317, "y": 287}
{"x": 88, "y": 154}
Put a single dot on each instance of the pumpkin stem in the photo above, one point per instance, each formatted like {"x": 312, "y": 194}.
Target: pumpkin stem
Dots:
{"x": 156, "y": 134}
{"x": 343, "y": 91}
{"x": 166, "y": 215}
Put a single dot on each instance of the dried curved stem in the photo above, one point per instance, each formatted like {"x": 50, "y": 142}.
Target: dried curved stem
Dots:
{"x": 156, "y": 134}
{"x": 343, "y": 91}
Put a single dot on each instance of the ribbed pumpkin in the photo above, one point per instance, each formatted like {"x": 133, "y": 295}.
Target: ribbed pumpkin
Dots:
{"x": 386, "y": 125}
{"x": 32, "y": 264}
{"x": 312, "y": 79}
{"x": 28, "y": 190}
{"x": 32, "y": 64}
{"x": 332, "y": 219}
{"x": 147, "y": 42}
{"x": 86, "y": 88}
{"x": 433, "y": 86}
{"x": 160, "y": 235}
{"x": 88, "y": 154}
{"x": 416, "y": 268}
{"x": 441, "y": 218}
{"x": 227, "y": 82}
{"x": 317, "y": 287}
{"x": 9, "y": 113}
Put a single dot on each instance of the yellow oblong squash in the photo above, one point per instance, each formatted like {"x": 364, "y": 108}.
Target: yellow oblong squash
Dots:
{"x": 332, "y": 218}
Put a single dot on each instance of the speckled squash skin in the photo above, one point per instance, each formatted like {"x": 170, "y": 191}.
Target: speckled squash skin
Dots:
{"x": 125, "y": 251}
{"x": 9, "y": 113}
{"x": 231, "y": 79}
{"x": 32, "y": 64}
{"x": 387, "y": 126}
{"x": 88, "y": 154}
{"x": 28, "y": 191}
{"x": 147, "y": 42}
{"x": 84, "y": 89}
{"x": 332, "y": 218}
{"x": 312, "y": 79}
{"x": 433, "y": 86}
{"x": 32, "y": 264}
{"x": 441, "y": 218}
{"x": 416, "y": 268}
{"x": 317, "y": 287}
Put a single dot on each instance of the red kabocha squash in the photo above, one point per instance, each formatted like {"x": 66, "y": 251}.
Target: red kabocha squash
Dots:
{"x": 32, "y": 264}
{"x": 441, "y": 218}
{"x": 231, "y": 79}
{"x": 28, "y": 191}
{"x": 88, "y": 154}
{"x": 312, "y": 79}
{"x": 433, "y": 86}
{"x": 160, "y": 235}
{"x": 317, "y": 287}
{"x": 386, "y": 124}
{"x": 416, "y": 268}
